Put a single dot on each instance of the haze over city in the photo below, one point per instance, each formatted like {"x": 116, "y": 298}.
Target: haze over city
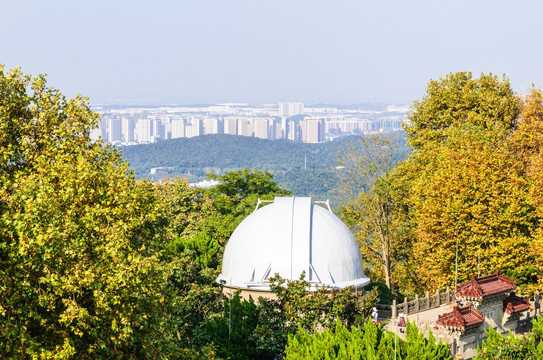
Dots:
{"x": 211, "y": 51}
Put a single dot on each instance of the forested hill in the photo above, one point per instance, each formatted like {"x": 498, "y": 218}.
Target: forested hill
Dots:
{"x": 197, "y": 156}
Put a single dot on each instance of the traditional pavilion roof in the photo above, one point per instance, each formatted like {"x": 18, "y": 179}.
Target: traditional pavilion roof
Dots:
{"x": 480, "y": 287}
{"x": 461, "y": 318}
{"x": 514, "y": 304}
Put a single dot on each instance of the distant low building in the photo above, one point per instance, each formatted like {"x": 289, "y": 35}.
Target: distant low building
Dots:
{"x": 205, "y": 184}
{"x": 161, "y": 170}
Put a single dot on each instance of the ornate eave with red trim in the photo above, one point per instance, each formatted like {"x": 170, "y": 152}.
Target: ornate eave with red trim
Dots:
{"x": 461, "y": 318}
{"x": 479, "y": 288}
{"x": 515, "y": 304}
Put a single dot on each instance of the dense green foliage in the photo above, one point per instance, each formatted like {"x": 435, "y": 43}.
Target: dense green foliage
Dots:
{"x": 472, "y": 182}
{"x": 513, "y": 347}
{"x": 78, "y": 271}
{"x": 370, "y": 208}
{"x": 195, "y": 157}
{"x": 369, "y": 342}
{"x": 223, "y": 153}
{"x": 260, "y": 330}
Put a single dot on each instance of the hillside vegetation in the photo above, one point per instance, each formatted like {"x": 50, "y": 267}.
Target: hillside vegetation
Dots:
{"x": 305, "y": 169}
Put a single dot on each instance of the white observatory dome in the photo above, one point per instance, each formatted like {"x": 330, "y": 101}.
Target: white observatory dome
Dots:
{"x": 288, "y": 237}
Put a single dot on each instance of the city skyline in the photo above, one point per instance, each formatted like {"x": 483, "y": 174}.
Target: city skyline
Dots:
{"x": 292, "y": 121}
{"x": 214, "y": 51}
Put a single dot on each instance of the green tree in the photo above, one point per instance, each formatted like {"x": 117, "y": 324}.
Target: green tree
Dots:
{"x": 233, "y": 333}
{"x": 236, "y": 196}
{"x": 297, "y": 308}
{"x": 368, "y": 342}
{"x": 458, "y": 99}
{"x": 78, "y": 271}
{"x": 198, "y": 300}
{"x": 249, "y": 330}
{"x": 183, "y": 209}
{"x": 498, "y": 346}
{"x": 464, "y": 186}
{"x": 527, "y": 147}
{"x": 238, "y": 185}
{"x": 371, "y": 209}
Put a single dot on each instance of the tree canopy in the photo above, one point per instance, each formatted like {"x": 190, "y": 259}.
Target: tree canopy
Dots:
{"x": 79, "y": 275}
{"x": 468, "y": 182}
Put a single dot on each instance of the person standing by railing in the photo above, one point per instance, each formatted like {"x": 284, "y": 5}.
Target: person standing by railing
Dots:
{"x": 375, "y": 315}
{"x": 401, "y": 323}
{"x": 537, "y": 302}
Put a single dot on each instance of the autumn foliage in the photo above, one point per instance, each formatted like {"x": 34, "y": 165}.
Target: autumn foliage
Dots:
{"x": 473, "y": 181}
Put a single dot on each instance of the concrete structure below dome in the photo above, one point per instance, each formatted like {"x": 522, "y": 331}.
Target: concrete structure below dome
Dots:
{"x": 289, "y": 237}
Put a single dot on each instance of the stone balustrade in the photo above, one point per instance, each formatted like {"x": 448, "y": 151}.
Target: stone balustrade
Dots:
{"x": 419, "y": 304}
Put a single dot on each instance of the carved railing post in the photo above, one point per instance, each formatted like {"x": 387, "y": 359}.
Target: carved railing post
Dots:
{"x": 405, "y": 306}
{"x": 394, "y": 309}
{"x": 417, "y": 305}
{"x": 438, "y": 298}
{"x": 428, "y": 300}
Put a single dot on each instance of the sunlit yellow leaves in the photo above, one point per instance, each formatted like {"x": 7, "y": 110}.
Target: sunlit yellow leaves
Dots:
{"x": 77, "y": 235}
{"x": 468, "y": 182}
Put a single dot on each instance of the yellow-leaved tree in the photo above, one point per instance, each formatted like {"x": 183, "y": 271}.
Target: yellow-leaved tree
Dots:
{"x": 80, "y": 276}
{"x": 468, "y": 188}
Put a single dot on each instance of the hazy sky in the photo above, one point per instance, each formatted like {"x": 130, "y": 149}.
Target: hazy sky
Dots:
{"x": 207, "y": 51}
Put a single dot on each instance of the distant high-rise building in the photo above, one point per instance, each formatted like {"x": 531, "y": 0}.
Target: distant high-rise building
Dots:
{"x": 293, "y": 130}
{"x": 244, "y": 127}
{"x": 312, "y": 130}
{"x": 284, "y": 128}
{"x": 261, "y": 127}
{"x": 290, "y": 108}
{"x": 114, "y": 129}
{"x": 143, "y": 130}
{"x": 195, "y": 128}
{"x": 103, "y": 129}
{"x": 178, "y": 128}
{"x": 158, "y": 129}
{"x": 212, "y": 126}
{"x": 231, "y": 126}
{"x": 128, "y": 126}
{"x": 276, "y": 130}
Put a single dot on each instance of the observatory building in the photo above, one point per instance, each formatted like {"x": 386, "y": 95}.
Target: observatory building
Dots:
{"x": 291, "y": 236}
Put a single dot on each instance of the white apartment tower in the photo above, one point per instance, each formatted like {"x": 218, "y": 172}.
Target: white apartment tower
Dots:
{"x": 178, "y": 128}
{"x": 292, "y": 130}
{"x": 261, "y": 127}
{"x": 128, "y": 125}
{"x": 212, "y": 126}
{"x": 114, "y": 129}
{"x": 290, "y": 108}
{"x": 195, "y": 128}
{"x": 244, "y": 127}
{"x": 231, "y": 126}
{"x": 143, "y": 130}
{"x": 312, "y": 130}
